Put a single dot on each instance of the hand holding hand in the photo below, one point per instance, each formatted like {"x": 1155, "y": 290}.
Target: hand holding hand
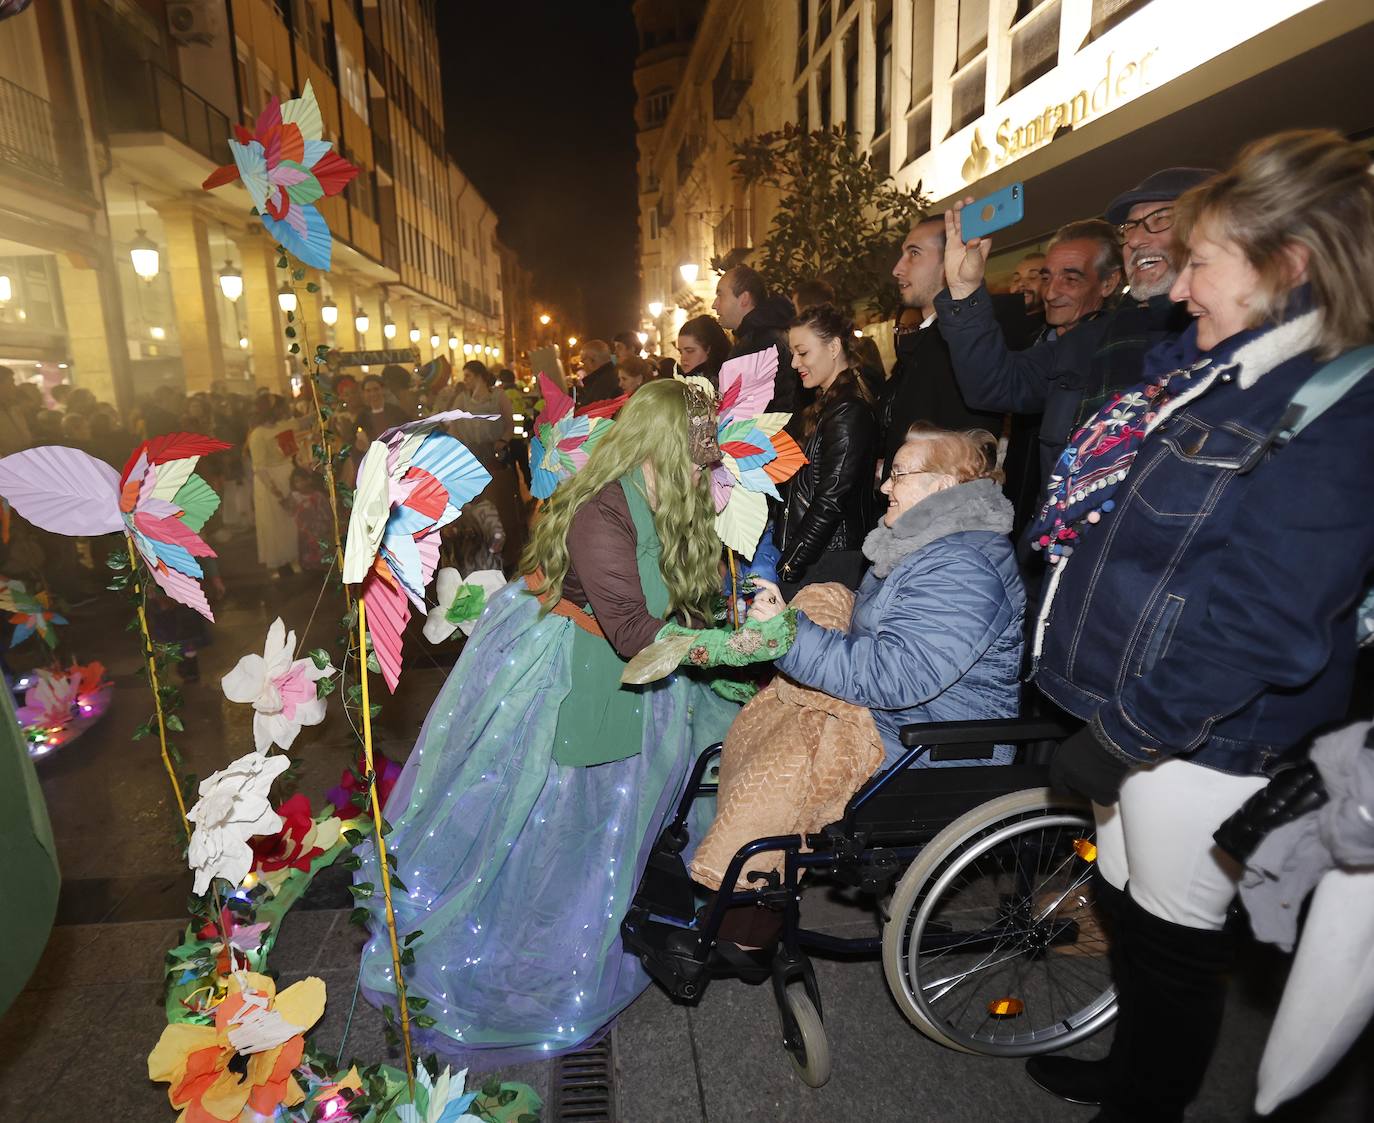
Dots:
{"x": 965, "y": 262}
{"x": 768, "y": 601}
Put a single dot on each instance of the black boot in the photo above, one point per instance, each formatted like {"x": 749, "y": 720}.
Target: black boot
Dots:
{"x": 1175, "y": 984}
{"x": 1071, "y": 1079}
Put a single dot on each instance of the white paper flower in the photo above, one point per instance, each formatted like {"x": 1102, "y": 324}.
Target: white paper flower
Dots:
{"x": 232, "y": 808}
{"x": 440, "y": 1100}
{"x": 281, "y": 691}
{"x": 461, "y": 601}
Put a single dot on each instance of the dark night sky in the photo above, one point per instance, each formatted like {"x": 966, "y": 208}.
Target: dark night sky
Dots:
{"x": 539, "y": 105}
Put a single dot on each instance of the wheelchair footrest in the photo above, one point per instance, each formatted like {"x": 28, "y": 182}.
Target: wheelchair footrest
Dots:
{"x": 667, "y": 888}
{"x": 673, "y": 956}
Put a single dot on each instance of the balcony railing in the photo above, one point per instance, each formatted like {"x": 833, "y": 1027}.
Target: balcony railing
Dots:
{"x": 725, "y": 234}
{"x": 146, "y": 98}
{"x": 732, "y": 80}
{"x": 29, "y": 135}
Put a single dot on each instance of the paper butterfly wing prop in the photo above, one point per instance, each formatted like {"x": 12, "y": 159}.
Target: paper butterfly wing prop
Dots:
{"x": 414, "y": 481}
{"x": 164, "y": 505}
{"x": 287, "y": 166}
{"x": 562, "y": 439}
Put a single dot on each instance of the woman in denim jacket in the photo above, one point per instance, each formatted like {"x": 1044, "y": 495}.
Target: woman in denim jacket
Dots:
{"x": 1205, "y": 622}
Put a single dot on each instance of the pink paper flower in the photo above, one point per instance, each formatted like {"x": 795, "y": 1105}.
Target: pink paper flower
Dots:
{"x": 280, "y": 690}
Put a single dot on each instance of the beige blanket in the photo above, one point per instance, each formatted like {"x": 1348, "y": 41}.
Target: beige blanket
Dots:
{"x": 792, "y": 759}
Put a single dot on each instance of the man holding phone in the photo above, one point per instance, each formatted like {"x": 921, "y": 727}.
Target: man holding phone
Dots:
{"x": 1069, "y": 373}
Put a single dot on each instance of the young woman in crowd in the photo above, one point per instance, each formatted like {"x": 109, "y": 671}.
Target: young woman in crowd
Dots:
{"x": 702, "y": 348}
{"x": 527, "y": 810}
{"x": 828, "y": 503}
{"x": 1205, "y": 622}
{"x": 934, "y": 634}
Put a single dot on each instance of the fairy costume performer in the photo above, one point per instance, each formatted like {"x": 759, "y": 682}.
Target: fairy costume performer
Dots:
{"x": 539, "y": 784}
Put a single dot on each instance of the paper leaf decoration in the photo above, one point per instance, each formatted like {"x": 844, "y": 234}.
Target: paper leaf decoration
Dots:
{"x": 563, "y": 440}
{"x": 63, "y": 490}
{"x": 413, "y": 482}
{"x": 658, "y": 660}
{"x": 286, "y": 167}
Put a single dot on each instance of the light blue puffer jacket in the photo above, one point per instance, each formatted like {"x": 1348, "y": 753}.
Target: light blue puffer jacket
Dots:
{"x": 936, "y": 632}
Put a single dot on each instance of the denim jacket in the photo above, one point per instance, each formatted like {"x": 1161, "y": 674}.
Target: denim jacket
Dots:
{"x": 1212, "y": 614}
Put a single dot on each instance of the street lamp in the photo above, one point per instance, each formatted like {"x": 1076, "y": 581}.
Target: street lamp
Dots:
{"x": 642, "y": 336}
{"x": 6, "y": 289}
{"x": 572, "y": 341}
{"x": 434, "y": 342}
{"x": 414, "y": 333}
{"x": 157, "y": 332}
{"x": 329, "y": 313}
{"x": 286, "y": 298}
{"x": 389, "y": 328}
{"x": 360, "y": 322}
{"x": 689, "y": 271}
{"x": 544, "y": 319}
{"x": 655, "y": 308}
{"x": 230, "y": 281}
{"x": 453, "y": 345}
{"x": 143, "y": 253}
{"x": 467, "y": 348}
{"x": 243, "y": 342}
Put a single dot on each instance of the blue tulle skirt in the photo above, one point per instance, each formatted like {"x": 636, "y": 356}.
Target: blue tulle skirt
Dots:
{"x": 519, "y": 871}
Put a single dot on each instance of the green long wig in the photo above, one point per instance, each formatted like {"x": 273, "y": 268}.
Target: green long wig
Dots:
{"x": 651, "y": 427}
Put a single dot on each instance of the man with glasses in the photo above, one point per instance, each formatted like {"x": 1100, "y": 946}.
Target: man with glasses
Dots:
{"x": 1068, "y": 374}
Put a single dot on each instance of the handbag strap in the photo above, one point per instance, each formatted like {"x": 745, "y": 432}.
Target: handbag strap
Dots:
{"x": 1328, "y": 384}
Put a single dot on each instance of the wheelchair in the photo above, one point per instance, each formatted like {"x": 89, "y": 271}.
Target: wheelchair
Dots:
{"x": 989, "y": 941}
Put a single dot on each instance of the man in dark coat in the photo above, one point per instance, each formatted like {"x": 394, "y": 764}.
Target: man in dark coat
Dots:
{"x": 758, "y": 321}
{"x": 599, "y": 380}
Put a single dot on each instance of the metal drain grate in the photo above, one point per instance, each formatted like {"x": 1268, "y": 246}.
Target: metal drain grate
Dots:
{"x": 583, "y": 1086}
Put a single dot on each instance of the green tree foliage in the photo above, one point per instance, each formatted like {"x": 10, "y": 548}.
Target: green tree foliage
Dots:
{"x": 837, "y": 218}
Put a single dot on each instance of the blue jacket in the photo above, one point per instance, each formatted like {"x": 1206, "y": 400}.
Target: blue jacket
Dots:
{"x": 938, "y": 639}
{"x": 1211, "y": 615}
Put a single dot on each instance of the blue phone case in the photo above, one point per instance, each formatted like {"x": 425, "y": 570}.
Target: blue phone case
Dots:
{"x": 993, "y": 212}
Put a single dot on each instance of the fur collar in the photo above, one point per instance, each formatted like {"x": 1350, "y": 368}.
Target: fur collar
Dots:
{"x": 977, "y": 505}
{"x": 1275, "y": 347}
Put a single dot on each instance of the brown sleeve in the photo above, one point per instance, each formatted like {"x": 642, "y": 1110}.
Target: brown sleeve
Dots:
{"x": 601, "y": 553}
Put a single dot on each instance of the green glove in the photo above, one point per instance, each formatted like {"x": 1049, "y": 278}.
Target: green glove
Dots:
{"x": 753, "y": 642}
{"x": 733, "y": 690}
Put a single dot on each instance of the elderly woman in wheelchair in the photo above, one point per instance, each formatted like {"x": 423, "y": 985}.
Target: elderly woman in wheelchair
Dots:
{"x": 862, "y": 761}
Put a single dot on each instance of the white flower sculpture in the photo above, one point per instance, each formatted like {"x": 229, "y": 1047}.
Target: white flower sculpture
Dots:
{"x": 461, "y": 601}
{"x": 281, "y": 690}
{"x": 232, "y": 808}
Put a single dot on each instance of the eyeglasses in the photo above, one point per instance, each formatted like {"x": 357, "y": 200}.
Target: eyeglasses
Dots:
{"x": 1156, "y": 222}
{"x": 895, "y": 476}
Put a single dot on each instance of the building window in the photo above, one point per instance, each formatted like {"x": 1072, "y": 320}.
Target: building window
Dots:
{"x": 653, "y": 224}
{"x": 973, "y": 30}
{"x": 656, "y": 106}
{"x": 968, "y": 96}
{"x": 882, "y": 89}
{"x": 804, "y": 107}
{"x": 823, "y": 22}
{"x": 823, "y": 90}
{"x": 1034, "y": 47}
{"x": 803, "y": 33}
{"x": 922, "y": 49}
{"x": 1108, "y": 13}
{"x": 851, "y": 85}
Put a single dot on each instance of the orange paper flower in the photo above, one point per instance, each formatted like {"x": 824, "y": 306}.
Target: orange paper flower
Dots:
{"x": 253, "y": 1021}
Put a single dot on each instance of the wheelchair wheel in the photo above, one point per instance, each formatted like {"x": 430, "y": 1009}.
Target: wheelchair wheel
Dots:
{"x": 992, "y": 944}
{"x": 805, "y": 1039}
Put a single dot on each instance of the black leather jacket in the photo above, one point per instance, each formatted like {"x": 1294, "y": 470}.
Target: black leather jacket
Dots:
{"x": 829, "y": 502}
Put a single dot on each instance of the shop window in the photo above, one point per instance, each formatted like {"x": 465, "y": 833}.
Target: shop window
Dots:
{"x": 922, "y": 49}
{"x": 968, "y": 96}
{"x": 1108, "y": 13}
{"x": 973, "y": 30}
{"x": 1034, "y": 47}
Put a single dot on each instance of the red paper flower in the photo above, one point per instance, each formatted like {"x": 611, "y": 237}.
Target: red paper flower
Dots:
{"x": 289, "y": 847}
{"x": 388, "y": 772}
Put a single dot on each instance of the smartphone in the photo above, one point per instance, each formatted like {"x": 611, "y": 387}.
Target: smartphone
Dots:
{"x": 993, "y": 212}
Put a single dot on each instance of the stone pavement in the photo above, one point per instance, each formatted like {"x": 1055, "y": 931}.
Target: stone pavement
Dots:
{"x": 74, "y": 1045}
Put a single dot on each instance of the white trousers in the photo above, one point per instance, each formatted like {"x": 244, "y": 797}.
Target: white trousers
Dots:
{"x": 1158, "y": 836}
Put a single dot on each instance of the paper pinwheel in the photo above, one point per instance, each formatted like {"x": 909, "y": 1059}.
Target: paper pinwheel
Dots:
{"x": 281, "y": 690}
{"x": 287, "y": 167}
{"x": 562, "y": 440}
{"x": 158, "y": 500}
{"x": 31, "y": 616}
{"x": 413, "y": 481}
{"x": 461, "y": 601}
{"x": 755, "y": 452}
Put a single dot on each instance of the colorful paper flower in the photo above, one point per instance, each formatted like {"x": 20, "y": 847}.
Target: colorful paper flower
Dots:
{"x": 281, "y": 690}
{"x": 755, "y": 452}
{"x": 232, "y": 808}
{"x": 253, "y": 1021}
{"x": 461, "y": 601}
{"x": 439, "y": 1100}
{"x": 562, "y": 440}
{"x": 287, "y": 166}
{"x": 158, "y": 501}
{"x": 413, "y": 481}
{"x": 299, "y": 842}
{"x": 63, "y": 704}
{"x": 388, "y": 772}
{"x": 242, "y": 938}
{"x": 35, "y": 620}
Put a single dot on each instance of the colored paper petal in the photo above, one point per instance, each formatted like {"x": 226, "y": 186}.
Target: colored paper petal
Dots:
{"x": 746, "y": 383}
{"x": 63, "y": 490}
{"x": 557, "y": 404}
{"x": 220, "y": 176}
{"x": 182, "y": 589}
{"x": 174, "y": 531}
{"x": 658, "y": 660}
{"x": 313, "y": 245}
{"x": 789, "y": 461}
{"x": 333, "y": 172}
{"x": 304, "y": 113}
{"x": 197, "y": 501}
{"x": 741, "y": 524}
{"x": 371, "y": 508}
{"x": 388, "y": 612}
{"x": 251, "y": 160}
{"x": 448, "y": 460}
{"x": 167, "y": 478}
{"x": 604, "y": 409}
{"x": 771, "y": 423}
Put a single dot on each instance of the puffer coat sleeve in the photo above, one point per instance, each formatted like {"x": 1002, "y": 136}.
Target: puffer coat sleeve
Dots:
{"x": 937, "y": 613}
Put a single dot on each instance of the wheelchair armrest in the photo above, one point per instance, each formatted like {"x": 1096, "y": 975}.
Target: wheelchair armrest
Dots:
{"x": 985, "y": 731}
